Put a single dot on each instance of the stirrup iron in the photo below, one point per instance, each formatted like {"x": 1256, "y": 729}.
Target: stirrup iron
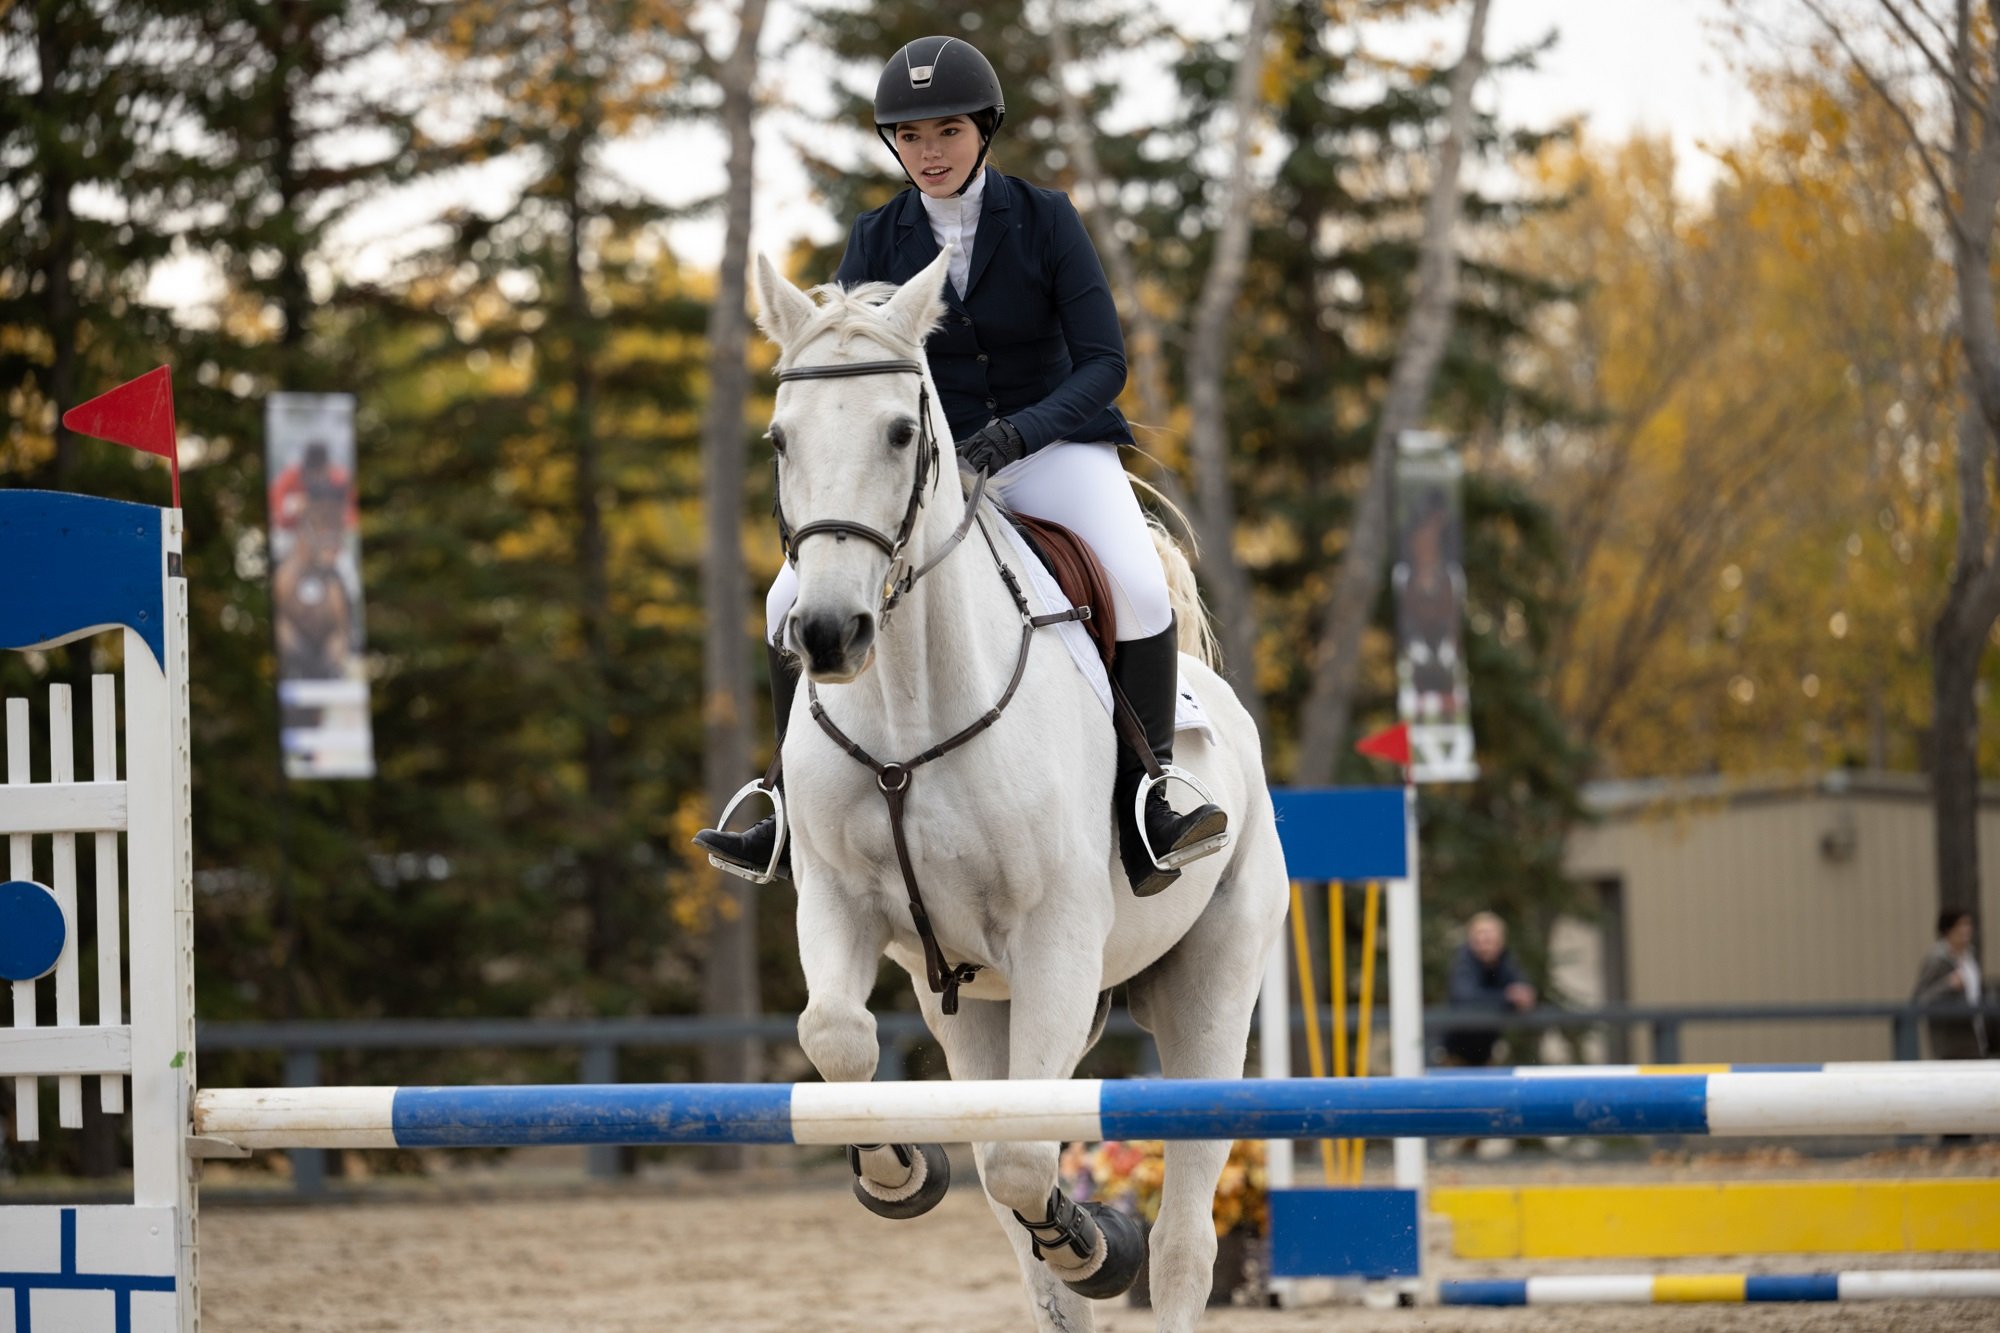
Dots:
{"x": 755, "y": 787}
{"x": 1194, "y": 851}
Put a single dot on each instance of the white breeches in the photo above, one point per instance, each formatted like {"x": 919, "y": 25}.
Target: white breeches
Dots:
{"x": 1084, "y": 488}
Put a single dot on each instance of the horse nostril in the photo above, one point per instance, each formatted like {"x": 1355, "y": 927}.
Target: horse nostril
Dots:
{"x": 860, "y": 634}
{"x": 831, "y": 642}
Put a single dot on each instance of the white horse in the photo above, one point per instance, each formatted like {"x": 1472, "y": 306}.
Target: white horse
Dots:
{"x": 1010, "y": 834}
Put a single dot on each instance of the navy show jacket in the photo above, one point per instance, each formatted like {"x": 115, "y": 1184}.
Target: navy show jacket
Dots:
{"x": 1035, "y": 338}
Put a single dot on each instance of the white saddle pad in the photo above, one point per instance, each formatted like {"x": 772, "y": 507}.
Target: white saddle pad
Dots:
{"x": 1043, "y": 589}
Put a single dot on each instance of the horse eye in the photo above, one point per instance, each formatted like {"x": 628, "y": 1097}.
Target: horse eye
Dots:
{"x": 902, "y": 433}
{"x": 776, "y": 437}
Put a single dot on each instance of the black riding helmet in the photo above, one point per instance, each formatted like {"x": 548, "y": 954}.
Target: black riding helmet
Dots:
{"x": 940, "y": 76}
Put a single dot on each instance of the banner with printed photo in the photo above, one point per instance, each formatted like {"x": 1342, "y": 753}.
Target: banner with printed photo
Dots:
{"x": 315, "y": 546}
{"x": 1432, "y": 693}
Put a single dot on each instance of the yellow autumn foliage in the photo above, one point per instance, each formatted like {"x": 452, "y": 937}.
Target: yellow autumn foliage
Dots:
{"x": 1756, "y": 501}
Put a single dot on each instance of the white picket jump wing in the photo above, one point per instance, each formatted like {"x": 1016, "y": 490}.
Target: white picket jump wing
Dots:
{"x": 60, "y": 807}
{"x": 21, "y": 865}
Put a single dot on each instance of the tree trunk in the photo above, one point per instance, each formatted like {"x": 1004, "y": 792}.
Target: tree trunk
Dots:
{"x": 1959, "y": 638}
{"x": 729, "y": 965}
{"x": 1208, "y": 363}
{"x": 1955, "y": 755}
{"x": 59, "y": 229}
{"x": 1419, "y": 352}
{"x": 290, "y": 37}
{"x": 600, "y": 856}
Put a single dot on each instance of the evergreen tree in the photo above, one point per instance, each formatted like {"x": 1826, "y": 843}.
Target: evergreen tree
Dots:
{"x": 553, "y": 383}
{"x": 295, "y": 121}
{"x": 86, "y": 94}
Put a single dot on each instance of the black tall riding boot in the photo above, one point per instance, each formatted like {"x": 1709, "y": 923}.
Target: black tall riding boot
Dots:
{"x": 1148, "y": 674}
{"x": 752, "y": 848}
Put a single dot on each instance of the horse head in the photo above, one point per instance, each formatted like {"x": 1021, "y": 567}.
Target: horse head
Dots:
{"x": 861, "y": 446}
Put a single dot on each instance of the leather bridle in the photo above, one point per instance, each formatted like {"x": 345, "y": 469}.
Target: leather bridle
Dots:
{"x": 901, "y": 577}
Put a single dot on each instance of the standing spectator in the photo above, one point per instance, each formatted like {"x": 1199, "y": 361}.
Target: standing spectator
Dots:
{"x": 1950, "y": 973}
{"x": 1484, "y": 976}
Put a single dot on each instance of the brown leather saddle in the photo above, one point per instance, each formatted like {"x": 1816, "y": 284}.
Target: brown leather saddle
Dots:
{"x": 1078, "y": 573}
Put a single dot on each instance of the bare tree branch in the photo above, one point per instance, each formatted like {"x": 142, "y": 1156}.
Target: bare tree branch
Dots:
{"x": 1939, "y": 65}
{"x": 1915, "y": 137}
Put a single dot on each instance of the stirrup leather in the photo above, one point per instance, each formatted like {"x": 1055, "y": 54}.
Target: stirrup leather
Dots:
{"x": 1194, "y": 851}
{"x": 755, "y": 787}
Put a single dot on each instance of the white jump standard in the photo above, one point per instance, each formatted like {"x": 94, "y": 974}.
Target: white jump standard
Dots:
{"x": 1875, "y": 1101}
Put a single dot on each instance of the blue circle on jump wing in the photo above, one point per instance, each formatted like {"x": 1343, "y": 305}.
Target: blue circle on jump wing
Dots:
{"x": 32, "y": 930}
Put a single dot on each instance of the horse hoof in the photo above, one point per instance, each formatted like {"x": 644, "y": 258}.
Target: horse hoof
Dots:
{"x": 918, "y": 1195}
{"x": 1124, "y": 1251}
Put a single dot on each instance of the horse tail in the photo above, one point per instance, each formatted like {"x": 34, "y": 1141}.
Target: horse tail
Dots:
{"x": 1197, "y": 632}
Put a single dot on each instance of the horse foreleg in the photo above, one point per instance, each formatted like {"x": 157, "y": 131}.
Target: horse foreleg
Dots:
{"x": 975, "y": 1047}
{"x": 1095, "y": 1252}
{"x": 840, "y": 941}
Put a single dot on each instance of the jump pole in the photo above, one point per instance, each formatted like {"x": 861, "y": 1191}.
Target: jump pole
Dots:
{"x": 1916, "y": 1101}
{"x": 1746, "y": 1288}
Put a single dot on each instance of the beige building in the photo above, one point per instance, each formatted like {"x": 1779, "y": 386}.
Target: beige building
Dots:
{"x": 1776, "y": 891}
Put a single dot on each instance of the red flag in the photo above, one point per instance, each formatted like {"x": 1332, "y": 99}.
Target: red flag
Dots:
{"x": 1392, "y": 745}
{"x": 138, "y": 414}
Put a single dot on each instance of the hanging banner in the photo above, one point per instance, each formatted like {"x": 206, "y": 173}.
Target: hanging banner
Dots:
{"x": 315, "y": 545}
{"x": 1432, "y": 694}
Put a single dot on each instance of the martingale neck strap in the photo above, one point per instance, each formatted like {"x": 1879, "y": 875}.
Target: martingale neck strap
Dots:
{"x": 893, "y": 779}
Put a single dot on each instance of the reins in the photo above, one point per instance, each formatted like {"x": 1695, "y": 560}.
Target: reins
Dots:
{"x": 893, "y": 779}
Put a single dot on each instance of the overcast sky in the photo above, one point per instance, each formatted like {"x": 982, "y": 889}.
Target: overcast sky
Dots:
{"x": 1628, "y": 65}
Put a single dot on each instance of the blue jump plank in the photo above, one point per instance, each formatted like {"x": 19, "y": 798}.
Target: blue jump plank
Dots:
{"x": 72, "y": 565}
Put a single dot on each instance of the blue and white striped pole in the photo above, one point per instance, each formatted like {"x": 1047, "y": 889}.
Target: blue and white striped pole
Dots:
{"x": 1748, "y": 1288}
{"x": 1922, "y": 1100}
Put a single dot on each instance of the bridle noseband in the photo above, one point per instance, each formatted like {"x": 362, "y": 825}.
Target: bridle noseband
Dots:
{"x": 901, "y": 577}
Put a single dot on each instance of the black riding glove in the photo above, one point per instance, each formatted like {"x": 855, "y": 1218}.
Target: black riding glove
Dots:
{"x": 992, "y": 447}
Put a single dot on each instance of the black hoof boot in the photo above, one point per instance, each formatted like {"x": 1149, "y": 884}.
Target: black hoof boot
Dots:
{"x": 930, "y": 1178}
{"x": 1124, "y": 1253}
{"x": 1106, "y": 1242}
{"x": 749, "y": 850}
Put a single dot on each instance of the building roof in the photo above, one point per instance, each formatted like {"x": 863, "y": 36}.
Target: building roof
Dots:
{"x": 1621, "y": 797}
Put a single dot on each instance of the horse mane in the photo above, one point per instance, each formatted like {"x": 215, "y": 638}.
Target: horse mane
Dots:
{"x": 848, "y": 313}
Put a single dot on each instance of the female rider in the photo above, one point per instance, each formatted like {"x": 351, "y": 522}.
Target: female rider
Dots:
{"x": 1027, "y": 364}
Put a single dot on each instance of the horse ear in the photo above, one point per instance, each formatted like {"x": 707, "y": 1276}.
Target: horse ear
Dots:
{"x": 782, "y": 309}
{"x": 918, "y": 305}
